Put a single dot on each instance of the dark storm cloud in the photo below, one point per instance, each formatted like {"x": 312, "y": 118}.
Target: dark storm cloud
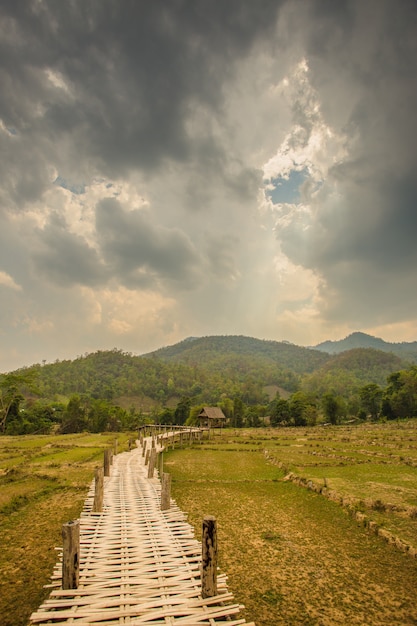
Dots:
{"x": 141, "y": 253}
{"x": 65, "y": 258}
{"x": 133, "y": 72}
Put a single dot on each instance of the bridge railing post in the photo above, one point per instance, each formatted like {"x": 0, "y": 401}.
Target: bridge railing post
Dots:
{"x": 98, "y": 490}
{"x": 209, "y": 557}
{"x": 166, "y": 492}
{"x": 107, "y": 461}
{"x": 71, "y": 554}
{"x": 152, "y": 462}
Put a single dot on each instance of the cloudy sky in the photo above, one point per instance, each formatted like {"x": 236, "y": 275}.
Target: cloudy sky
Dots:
{"x": 175, "y": 168}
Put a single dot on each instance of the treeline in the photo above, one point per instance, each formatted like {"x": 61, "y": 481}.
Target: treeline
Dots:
{"x": 22, "y": 411}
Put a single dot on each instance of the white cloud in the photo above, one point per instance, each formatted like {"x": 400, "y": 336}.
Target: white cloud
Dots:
{"x": 7, "y": 281}
{"x": 310, "y": 144}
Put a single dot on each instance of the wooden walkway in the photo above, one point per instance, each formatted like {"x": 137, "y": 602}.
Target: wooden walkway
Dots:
{"x": 138, "y": 564}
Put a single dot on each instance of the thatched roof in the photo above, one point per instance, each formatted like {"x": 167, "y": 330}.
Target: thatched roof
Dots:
{"x": 212, "y": 412}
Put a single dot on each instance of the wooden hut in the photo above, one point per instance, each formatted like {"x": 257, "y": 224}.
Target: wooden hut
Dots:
{"x": 211, "y": 417}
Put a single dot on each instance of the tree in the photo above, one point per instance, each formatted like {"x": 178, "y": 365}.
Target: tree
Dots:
{"x": 280, "y": 413}
{"x": 400, "y": 398}
{"x": 11, "y": 387}
{"x": 182, "y": 410}
{"x": 166, "y": 416}
{"x": 98, "y": 416}
{"x": 238, "y": 413}
{"x": 297, "y": 408}
{"x": 371, "y": 398}
{"x": 75, "y": 418}
{"x": 332, "y": 407}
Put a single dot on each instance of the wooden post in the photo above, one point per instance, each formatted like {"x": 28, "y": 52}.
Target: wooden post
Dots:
{"x": 144, "y": 447}
{"x": 209, "y": 557}
{"x": 71, "y": 554}
{"x": 107, "y": 461}
{"x": 98, "y": 490}
{"x": 166, "y": 492}
{"x": 161, "y": 463}
{"x": 152, "y": 461}
{"x": 147, "y": 457}
{"x": 116, "y": 442}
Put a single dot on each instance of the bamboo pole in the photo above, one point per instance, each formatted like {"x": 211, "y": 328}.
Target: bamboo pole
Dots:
{"x": 209, "y": 557}
{"x": 152, "y": 462}
{"x": 166, "y": 492}
{"x": 98, "y": 490}
{"x": 107, "y": 461}
{"x": 71, "y": 554}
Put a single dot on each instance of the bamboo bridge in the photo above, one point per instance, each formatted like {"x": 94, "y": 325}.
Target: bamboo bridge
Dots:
{"x": 139, "y": 562}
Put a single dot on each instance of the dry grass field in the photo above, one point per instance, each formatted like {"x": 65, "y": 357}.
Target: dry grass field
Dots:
{"x": 43, "y": 483}
{"x": 293, "y": 556}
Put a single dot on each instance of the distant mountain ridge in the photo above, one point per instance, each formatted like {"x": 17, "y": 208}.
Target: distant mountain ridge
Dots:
{"x": 405, "y": 350}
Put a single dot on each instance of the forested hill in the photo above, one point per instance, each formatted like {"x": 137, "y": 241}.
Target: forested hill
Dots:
{"x": 208, "y": 369}
{"x": 346, "y": 372}
{"x": 111, "y": 389}
{"x": 204, "y": 369}
{"x": 232, "y": 350}
{"x": 405, "y": 350}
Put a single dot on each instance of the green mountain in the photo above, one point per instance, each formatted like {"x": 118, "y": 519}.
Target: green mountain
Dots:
{"x": 204, "y": 369}
{"x": 344, "y": 373}
{"x": 405, "y": 350}
{"x": 241, "y": 352}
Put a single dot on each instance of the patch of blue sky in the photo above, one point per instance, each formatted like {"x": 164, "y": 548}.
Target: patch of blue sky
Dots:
{"x": 76, "y": 188}
{"x": 287, "y": 190}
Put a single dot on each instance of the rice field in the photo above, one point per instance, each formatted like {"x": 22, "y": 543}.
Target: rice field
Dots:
{"x": 293, "y": 555}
